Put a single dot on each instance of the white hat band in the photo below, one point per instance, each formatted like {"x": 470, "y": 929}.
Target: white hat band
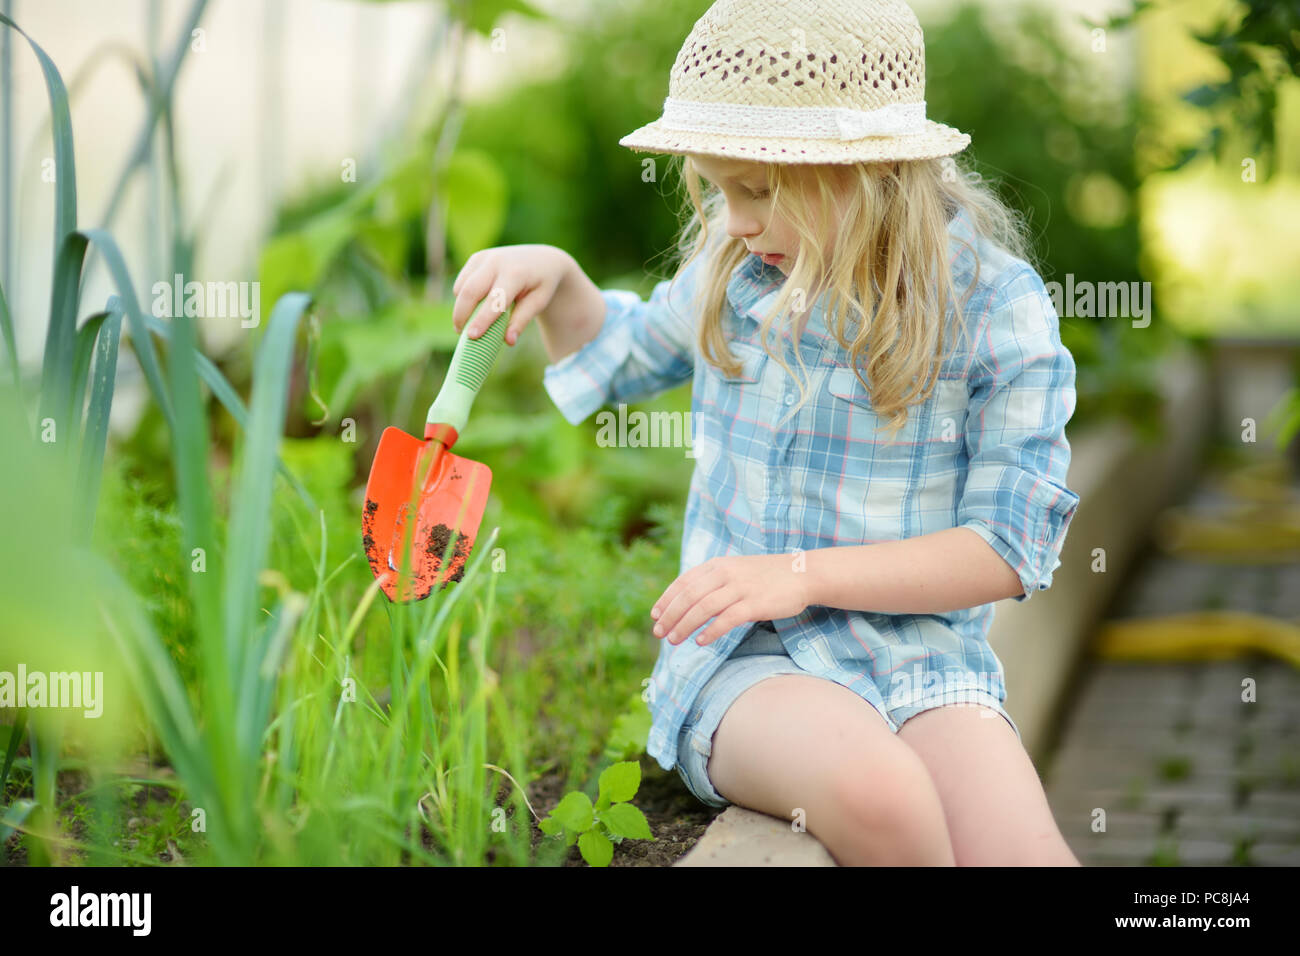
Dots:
{"x": 797, "y": 122}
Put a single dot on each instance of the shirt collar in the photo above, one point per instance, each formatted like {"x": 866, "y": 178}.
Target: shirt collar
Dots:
{"x": 754, "y": 285}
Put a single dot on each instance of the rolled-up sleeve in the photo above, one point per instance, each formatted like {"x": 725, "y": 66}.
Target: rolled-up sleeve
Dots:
{"x": 1023, "y": 393}
{"x": 642, "y": 350}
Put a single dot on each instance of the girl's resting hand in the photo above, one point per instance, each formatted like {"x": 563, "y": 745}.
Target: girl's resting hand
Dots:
{"x": 734, "y": 590}
{"x": 530, "y": 274}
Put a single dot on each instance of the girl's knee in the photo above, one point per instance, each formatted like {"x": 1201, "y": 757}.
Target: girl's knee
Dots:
{"x": 895, "y": 796}
{"x": 886, "y": 820}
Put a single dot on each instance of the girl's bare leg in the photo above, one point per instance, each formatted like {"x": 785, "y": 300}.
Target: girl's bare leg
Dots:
{"x": 993, "y": 801}
{"x": 796, "y": 741}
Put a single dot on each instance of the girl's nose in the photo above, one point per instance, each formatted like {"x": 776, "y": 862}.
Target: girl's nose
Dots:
{"x": 741, "y": 226}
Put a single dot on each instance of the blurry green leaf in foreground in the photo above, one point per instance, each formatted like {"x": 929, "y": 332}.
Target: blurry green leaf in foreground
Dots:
{"x": 50, "y": 582}
{"x": 473, "y": 192}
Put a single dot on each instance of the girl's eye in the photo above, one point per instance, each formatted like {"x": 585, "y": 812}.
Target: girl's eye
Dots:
{"x": 760, "y": 195}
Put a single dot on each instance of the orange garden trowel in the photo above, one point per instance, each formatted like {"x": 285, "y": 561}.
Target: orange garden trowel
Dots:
{"x": 424, "y": 504}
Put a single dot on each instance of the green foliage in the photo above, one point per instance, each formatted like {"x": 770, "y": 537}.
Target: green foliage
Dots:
{"x": 596, "y": 828}
{"x": 139, "y": 529}
{"x": 580, "y": 651}
{"x": 360, "y": 351}
{"x": 1062, "y": 152}
{"x": 297, "y": 260}
{"x": 1116, "y": 372}
{"x": 577, "y": 188}
{"x": 354, "y": 246}
{"x": 476, "y": 199}
{"x": 1257, "y": 47}
{"x": 1285, "y": 419}
{"x": 482, "y": 15}
{"x": 1039, "y": 128}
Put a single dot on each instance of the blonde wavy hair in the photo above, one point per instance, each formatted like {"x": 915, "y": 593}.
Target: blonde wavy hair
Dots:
{"x": 883, "y": 305}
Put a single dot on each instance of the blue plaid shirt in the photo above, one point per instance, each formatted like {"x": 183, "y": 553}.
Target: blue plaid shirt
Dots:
{"x": 987, "y": 451}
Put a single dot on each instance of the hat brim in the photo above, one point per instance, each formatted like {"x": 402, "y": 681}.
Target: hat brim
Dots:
{"x": 934, "y": 141}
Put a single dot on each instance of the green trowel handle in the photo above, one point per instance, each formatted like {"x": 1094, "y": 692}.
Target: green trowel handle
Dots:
{"x": 470, "y": 364}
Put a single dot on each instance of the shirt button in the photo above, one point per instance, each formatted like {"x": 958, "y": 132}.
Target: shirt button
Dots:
{"x": 789, "y": 399}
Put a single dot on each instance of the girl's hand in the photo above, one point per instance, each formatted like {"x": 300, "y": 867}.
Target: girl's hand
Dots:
{"x": 528, "y": 275}
{"x": 735, "y": 589}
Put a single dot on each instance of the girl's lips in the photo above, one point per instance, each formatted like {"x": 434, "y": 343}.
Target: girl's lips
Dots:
{"x": 771, "y": 260}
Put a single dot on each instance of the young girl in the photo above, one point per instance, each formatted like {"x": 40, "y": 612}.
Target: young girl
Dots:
{"x": 849, "y": 526}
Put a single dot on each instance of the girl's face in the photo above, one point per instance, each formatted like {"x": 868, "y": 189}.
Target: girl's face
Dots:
{"x": 749, "y": 209}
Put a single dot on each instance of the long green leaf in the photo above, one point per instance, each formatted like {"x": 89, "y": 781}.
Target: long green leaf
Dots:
{"x": 249, "y": 521}
{"x": 65, "y": 196}
{"x": 162, "y": 693}
{"x": 261, "y": 672}
{"x": 61, "y": 335}
{"x": 13, "y": 818}
{"x": 44, "y": 741}
{"x": 95, "y": 437}
{"x": 11, "y": 344}
{"x": 140, "y": 339}
{"x": 190, "y": 446}
{"x": 15, "y": 738}
{"x": 87, "y": 336}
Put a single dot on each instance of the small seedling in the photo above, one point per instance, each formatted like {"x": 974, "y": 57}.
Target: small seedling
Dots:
{"x": 597, "y": 828}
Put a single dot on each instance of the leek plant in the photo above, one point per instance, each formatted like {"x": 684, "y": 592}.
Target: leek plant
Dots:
{"x": 282, "y": 752}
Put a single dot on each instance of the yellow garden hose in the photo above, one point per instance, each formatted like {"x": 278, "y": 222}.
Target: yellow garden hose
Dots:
{"x": 1263, "y": 527}
{"x": 1200, "y": 635}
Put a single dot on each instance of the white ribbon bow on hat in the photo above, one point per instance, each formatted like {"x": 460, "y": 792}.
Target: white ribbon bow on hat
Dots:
{"x": 896, "y": 119}
{"x": 799, "y": 122}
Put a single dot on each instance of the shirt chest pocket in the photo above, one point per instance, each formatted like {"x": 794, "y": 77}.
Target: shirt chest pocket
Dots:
{"x": 736, "y": 394}
{"x": 937, "y": 425}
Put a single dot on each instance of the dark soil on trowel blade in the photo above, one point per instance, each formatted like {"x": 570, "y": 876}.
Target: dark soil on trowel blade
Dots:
{"x": 439, "y": 537}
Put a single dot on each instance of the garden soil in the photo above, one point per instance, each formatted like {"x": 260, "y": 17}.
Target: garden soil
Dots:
{"x": 676, "y": 818}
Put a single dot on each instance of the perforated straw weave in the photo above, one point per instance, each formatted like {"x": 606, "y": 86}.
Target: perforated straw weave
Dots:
{"x": 800, "y": 81}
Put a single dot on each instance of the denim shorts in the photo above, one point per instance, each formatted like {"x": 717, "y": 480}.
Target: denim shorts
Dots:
{"x": 759, "y": 656}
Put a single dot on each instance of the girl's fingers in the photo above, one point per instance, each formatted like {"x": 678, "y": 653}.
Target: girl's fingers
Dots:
{"x": 472, "y": 289}
{"x": 692, "y": 587}
{"x": 686, "y": 580}
{"x": 467, "y": 270}
{"x": 498, "y": 300}
{"x": 525, "y": 309}
{"x": 700, "y": 613}
{"x": 735, "y": 615}
{"x": 666, "y": 599}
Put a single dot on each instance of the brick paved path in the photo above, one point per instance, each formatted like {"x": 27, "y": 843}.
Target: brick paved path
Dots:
{"x": 1185, "y": 771}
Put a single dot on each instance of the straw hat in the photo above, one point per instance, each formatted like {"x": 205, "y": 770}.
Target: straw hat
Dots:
{"x": 800, "y": 81}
